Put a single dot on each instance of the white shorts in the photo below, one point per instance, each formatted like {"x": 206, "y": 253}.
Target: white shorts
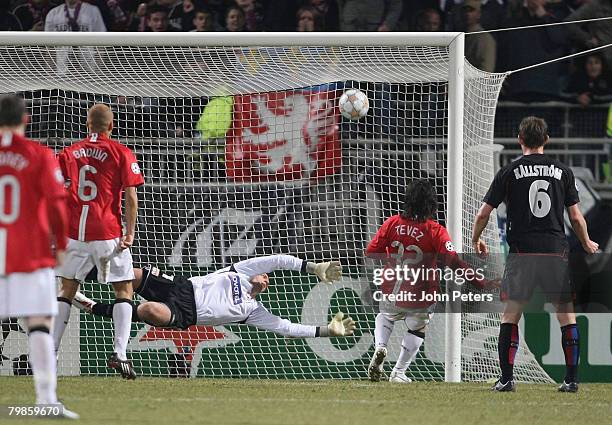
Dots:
{"x": 81, "y": 257}
{"x": 415, "y": 319}
{"x": 28, "y": 294}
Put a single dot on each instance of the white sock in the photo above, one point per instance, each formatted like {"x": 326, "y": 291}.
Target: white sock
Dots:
{"x": 122, "y": 318}
{"x": 42, "y": 359}
{"x": 410, "y": 348}
{"x": 382, "y": 331}
{"x": 60, "y": 322}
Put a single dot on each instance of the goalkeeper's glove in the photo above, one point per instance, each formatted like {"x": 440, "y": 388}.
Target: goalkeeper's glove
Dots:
{"x": 327, "y": 272}
{"x": 338, "y": 326}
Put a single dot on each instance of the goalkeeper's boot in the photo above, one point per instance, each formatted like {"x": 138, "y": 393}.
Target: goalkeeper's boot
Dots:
{"x": 375, "y": 369}
{"x": 124, "y": 367}
{"x": 568, "y": 387}
{"x": 81, "y": 302}
{"x": 399, "y": 377}
{"x": 505, "y": 386}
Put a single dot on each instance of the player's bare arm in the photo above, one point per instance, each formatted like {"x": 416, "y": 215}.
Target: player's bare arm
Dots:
{"x": 580, "y": 228}
{"x": 56, "y": 211}
{"x": 480, "y": 223}
{"x": 131, "y": 214}
{"x": 57, "y": 215}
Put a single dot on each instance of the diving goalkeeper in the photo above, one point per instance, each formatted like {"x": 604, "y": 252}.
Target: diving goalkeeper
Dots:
{"x": 224, "y": 297}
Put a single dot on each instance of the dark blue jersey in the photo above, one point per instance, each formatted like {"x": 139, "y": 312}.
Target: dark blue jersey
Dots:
{"x": 536, "y": 190}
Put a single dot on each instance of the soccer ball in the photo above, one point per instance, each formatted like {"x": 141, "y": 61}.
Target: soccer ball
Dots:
{"x": 353, "y": 104}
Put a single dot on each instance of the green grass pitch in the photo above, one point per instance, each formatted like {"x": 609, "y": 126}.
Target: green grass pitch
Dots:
{"x": 269, "y": 402}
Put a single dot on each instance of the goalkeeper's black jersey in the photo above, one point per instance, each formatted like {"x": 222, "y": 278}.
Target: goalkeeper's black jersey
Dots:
{"x": 536, "y": 190}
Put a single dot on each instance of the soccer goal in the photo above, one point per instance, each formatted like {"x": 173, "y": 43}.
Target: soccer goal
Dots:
{"x": 244, "y": 154}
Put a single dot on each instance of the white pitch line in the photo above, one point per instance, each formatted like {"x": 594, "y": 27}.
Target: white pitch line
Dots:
{"x": 328, "y": 401}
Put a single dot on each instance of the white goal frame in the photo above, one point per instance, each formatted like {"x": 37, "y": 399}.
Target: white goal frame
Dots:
{"x": 453, "y": 40}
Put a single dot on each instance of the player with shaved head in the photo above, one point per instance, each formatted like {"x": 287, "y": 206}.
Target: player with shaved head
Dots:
{"x": 98, "y": 171}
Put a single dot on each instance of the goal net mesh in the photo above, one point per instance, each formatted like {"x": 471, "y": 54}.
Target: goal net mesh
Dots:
{"x": 245, "y": 154}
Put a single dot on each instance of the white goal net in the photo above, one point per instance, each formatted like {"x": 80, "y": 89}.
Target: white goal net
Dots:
{"x": 244, "y": 154}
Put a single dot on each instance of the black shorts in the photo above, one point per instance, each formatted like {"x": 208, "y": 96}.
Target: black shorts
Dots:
{"x": 525, "y": 272}
{"x": 182, "y": 304}
{"x": 155, "y": 286}
{"x": 539, "y": 244}
{"x": 176, "y": 292}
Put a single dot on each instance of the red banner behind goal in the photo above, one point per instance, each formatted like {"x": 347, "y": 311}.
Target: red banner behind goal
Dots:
{"x": 283, "y": 136}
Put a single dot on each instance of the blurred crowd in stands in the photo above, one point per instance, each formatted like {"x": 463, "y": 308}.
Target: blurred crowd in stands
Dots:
{"x": 586, "y": 80}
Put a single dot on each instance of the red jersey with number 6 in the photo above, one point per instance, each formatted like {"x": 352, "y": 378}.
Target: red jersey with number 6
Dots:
{"x": 97, "y": 170}
{"x": 402, "y": 241}
{"x": 30, "y": 182}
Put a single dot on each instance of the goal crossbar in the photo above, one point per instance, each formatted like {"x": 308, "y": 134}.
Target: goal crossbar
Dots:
{"x": 436, "y": 39}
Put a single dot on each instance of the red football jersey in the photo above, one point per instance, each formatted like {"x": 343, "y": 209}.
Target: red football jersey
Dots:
{"x": 403, "y": 241}
{"x": 97, "y": 170}
{"x": 30, "y": 179}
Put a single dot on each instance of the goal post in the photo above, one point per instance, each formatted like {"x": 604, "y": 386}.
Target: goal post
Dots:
{"x": 287, "y": 174}
{"x": 454, "y": 208}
